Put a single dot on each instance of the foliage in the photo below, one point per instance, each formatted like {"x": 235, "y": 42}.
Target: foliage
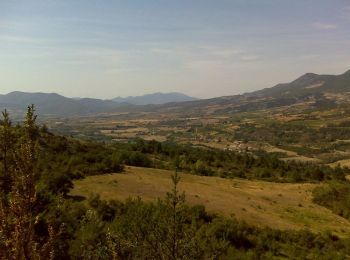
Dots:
{"x": 38, "y": 220}
{"x": 146, "y": 230}
{"x": 335, "y": 196}
{"x": 37, "y": 168}
{"x": 227, "y": 164}
{"x": 20, "y": 205}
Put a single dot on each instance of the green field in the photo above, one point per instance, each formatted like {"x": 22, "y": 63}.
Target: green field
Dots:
{"x": 277, "y": 205}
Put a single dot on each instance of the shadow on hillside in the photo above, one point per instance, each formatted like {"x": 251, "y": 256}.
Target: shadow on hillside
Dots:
{"x": 76, "y": 197}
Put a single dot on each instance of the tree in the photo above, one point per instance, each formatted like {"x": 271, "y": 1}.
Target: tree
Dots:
{"x": 7, "y": 140}
{"x": 174, "y": 200}
{"x": 175, "y": 234}
{"x": 163, "y": 230}
{"x": 20, "y": 211}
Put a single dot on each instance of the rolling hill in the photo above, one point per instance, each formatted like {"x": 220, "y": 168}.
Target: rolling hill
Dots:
{"x": 318, "y": 91}
{"x": 309, "y": 84}
{"x": 277, "y": 205}
{"x": 155, "y": 98}
{"x": 52, "y": 104}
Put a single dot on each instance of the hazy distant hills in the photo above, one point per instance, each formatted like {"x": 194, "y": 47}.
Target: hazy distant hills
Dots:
{"x": 52, "y": 104}
{"x": 55, "y": 105}
{"x": 310, "y": 87}
{"x": 309, "y": 84}
{"x": 155, "y": 98}
{"x": 316, "y": 90}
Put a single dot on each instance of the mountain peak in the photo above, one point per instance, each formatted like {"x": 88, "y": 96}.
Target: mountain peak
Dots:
{"x": 16, "y": 93}
{"x": 306, "y": 78}
{"x": 347, "y": 72}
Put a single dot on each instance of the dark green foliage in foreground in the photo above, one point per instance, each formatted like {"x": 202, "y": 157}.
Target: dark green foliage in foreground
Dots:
{"x": 170, "y": 229}
{"x": 20, "y": 206}
{"x": 335, "y": 196}
{"x": 146, "y": 231}
{"x": 210, "y": 162}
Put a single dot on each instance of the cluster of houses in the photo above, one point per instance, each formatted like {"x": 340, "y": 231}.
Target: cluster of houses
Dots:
{"x": 239, "y": 146}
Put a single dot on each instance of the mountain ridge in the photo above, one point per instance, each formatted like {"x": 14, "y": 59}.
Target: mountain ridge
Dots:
{"x": 330, "y": 83}
{"x": 156, "y": 98}
{"x": 53, "y": 104}
{"x": 308, "y": 87}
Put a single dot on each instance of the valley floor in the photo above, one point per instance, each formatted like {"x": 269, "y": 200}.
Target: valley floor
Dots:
{"x": 277, "y": 205}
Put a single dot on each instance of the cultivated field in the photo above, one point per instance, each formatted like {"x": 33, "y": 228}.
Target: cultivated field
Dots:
{"x": 292, "y": 132}
{"x": 277, "y": 205}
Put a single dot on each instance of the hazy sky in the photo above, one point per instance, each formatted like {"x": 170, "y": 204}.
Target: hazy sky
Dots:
{"x": 202, "y": 48}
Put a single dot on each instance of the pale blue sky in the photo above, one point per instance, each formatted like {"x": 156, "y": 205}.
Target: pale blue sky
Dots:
{"x": 202, "y": 48}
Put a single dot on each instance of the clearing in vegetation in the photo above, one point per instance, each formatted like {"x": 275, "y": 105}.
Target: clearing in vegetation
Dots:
{"x": 277, "y": 205}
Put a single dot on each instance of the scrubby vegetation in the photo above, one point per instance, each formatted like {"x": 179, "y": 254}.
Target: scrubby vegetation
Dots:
{"x": 335, "y": 196}
{"x": 281, "y": 133}
{"x": 38, "y": 220}
{"x": 164, "y": 231}
{"x": 214, "y": 162}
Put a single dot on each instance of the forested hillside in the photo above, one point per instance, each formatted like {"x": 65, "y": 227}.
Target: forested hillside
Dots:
{"x": 39, "y": 220}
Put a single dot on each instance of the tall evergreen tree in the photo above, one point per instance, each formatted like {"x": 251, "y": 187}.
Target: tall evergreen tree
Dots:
{"x": 21, "y": 211}
{"x": 7, "y": 141}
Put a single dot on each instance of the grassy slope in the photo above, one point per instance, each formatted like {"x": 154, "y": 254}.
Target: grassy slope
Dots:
{"x": 283, "y": 206}
{"x": 342, "y": 163}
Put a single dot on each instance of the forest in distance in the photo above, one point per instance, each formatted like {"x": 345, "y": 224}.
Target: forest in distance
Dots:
{"x": 41, "y": 220}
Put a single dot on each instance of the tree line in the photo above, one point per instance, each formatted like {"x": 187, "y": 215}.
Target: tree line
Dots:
{"x": 226, "y": 164}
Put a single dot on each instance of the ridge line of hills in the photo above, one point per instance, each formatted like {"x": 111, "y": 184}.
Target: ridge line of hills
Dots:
{"x": 308, "y": 87}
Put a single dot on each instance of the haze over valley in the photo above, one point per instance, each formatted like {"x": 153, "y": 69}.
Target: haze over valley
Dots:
{"x": 174, "y": 129}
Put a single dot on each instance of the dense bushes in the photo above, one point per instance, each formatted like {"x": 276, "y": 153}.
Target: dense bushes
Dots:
{"x": 36, "y": 173}
{"x": 135, "y": 158}
{"x": 288, "y": 133}
{"x": 227, "y": 164}
{"x": 77, "y": 159}
{"x": 170, "y": 229}
{"x": 335, "y": 196}
{"x": 145, "y": 230}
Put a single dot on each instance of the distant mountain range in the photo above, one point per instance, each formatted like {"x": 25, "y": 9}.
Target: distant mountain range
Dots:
{"x": 52, "y": 104}
{"x": 155, "y": 98}
{"x": 318, "y": 89}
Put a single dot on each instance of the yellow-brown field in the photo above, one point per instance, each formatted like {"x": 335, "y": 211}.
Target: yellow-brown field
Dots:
{"x": 277, "y": 205}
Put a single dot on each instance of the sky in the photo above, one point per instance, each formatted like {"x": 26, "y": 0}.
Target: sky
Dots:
{"x": 203, "y": 48}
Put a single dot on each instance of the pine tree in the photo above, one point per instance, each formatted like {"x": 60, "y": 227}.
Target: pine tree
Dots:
{"x": 175, "y": 200}
{"x": 21, "y": 211}
{"x": 6, "y": 152}
{"x": 177, "y": 237}
{"x": 23, "y": 197}
{"x": 7, "y": 140}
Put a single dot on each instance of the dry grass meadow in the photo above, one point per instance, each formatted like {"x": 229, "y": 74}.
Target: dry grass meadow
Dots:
{"x": 276, "y": 205}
